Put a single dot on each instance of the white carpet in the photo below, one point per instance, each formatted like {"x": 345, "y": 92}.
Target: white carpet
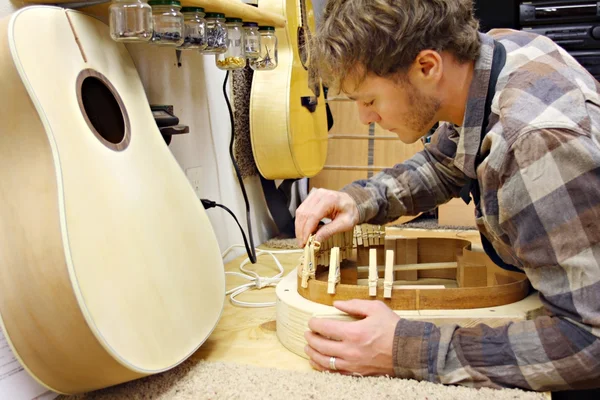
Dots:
{"x": 203, "y": 380}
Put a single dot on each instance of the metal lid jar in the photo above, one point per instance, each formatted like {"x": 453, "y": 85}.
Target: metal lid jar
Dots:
{"x": 130, "y": 21}
{"x": 216, "y": 34}
{"x": 234, "y": 57}
{"x": 267, "y": 59}
{"x": 194, "y": 29}
{"x": 251, "y": 40}
{"x": 167, "y": 21}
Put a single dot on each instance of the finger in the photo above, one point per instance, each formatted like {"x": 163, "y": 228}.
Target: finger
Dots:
{"x": 324, "y": 345}
{"x": 321, "y": 361}
{"x": 329, "y": 328}
{"x": 356, "y": 307}
{"x": 322, "y": 209}
{"x": 302, "y": 214}
{"x": 340, "y": 224}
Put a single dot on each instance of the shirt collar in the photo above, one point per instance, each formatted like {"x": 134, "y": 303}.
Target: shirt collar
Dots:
{"x": 470, "y": 131}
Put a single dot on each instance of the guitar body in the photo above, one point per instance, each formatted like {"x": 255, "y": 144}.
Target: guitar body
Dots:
{"x": 288, "y": 140}
{"x": 109, "y": 268}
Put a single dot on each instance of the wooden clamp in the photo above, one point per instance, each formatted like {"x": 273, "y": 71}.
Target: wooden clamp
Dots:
{"x": 309, "y": 266}
{"x": 388, "y": 280}
{"x": 373, "y": 276}
{"x": 334, "y": 270}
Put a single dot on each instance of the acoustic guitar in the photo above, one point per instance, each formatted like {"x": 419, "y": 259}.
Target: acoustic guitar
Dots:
{"x": 109, "y": 267}
{"x": 288, "y": 120}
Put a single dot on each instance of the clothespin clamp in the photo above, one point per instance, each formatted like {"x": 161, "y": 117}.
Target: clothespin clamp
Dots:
{"x": 309, "y": 266}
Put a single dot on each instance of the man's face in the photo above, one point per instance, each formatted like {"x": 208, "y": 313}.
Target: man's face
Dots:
{"x": 396, "y": 106}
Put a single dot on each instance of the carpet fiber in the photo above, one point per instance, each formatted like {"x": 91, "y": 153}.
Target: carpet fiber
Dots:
{"x": 203, "y": 380}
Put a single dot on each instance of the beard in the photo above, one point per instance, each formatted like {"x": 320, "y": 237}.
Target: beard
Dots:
{"x": 423, "y": 108}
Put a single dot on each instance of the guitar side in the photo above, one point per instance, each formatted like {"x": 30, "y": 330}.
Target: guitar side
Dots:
{"x": 288, "y": 140}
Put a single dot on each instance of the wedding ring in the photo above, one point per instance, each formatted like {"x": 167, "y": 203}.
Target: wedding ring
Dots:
{"x": 332, "y": 363}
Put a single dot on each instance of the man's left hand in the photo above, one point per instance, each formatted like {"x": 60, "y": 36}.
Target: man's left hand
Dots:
{"x": 360, "y": 347}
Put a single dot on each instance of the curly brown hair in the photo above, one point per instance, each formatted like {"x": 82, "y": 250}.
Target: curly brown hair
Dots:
{"x": 383, "y": 37}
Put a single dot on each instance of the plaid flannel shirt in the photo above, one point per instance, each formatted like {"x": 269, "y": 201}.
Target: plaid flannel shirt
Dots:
{"x": 540, "y": 208}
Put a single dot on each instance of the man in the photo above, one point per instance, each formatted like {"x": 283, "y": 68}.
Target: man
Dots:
{"x": 535, "y": 178}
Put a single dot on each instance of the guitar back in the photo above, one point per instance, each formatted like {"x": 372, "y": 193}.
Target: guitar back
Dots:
{"x": 109, "y": 268}
{"x": 288, "y": 139}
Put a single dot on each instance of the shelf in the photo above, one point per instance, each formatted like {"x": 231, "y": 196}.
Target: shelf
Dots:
{"x": 231, "y": 8}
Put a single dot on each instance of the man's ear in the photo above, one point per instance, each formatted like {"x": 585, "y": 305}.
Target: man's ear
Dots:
{"x": 427, "y": 68}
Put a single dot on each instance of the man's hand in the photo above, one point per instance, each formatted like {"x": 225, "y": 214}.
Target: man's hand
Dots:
{"x": 323, "y": 203}
{"x": 362, "y": 347}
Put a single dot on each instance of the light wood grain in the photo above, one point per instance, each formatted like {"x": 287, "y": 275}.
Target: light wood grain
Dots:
{"x": 248, "y": 335}
{"x": 457, "y": 213}
{"x": 231, "y": 8}
{"x": 31, "y": 256}
{"x": 348, "y": 149}
{"x": 108, "y": 261}
{"x": 288, "y": 141}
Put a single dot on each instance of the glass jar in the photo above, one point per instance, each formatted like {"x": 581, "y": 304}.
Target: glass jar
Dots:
{"x": 216, "y": 34}
{"x": 194, "y": 29}
{"x": 130, "y": 21}
{"x": 234, "y": 57}
{"x": 267, "y": 59}
{"x": 251, "y": 40}
{"x": 167, "y": 21}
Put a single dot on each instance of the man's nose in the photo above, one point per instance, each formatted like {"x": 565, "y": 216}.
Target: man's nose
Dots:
{"x": 367, "y": 116}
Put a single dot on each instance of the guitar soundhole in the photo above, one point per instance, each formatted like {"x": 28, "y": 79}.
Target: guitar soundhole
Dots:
{"x": 103, "y": 109}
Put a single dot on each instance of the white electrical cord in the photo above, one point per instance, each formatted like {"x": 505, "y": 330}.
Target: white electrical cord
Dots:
{"x": 258, "y": 282}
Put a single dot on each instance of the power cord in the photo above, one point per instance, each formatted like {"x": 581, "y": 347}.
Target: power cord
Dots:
{"x": 249, "y": 248}
{"x": 257, "y": 281}
{"x": 211, "y": 204}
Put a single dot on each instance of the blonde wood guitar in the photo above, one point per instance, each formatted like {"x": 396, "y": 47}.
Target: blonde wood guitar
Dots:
{"x": 109, "y": 268}
{"x": 288, "y": 122}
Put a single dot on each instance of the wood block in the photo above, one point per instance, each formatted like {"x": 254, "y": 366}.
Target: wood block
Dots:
{"x": 362, "y": 256}
{"x": 348, "y": 273}
{"x": 471, "y": 276}
{"x": 407, "y": 253}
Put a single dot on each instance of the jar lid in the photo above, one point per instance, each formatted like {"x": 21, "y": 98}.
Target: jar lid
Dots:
{"x": 164, "y": 3}
{"x": 214, "y": 15}
{"x": 266, "y": 28}
{"x": 233, "y": 20}
{"x": 250, "y": 23}
{"x": 192, "y": 9}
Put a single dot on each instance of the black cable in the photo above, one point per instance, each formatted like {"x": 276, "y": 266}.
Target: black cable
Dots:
{"x": 249, "y": 249}
{"x": 210, "y": 204}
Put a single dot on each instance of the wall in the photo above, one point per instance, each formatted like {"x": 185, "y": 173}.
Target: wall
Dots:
{"x": 195, "y": 91}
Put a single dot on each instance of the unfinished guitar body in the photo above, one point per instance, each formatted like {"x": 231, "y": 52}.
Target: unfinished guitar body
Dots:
{"x": 109, "y": 267}
{"x": 440, "y": 280}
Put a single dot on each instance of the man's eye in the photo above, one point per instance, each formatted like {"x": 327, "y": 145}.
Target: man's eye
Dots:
{"x": 369, "y": 103}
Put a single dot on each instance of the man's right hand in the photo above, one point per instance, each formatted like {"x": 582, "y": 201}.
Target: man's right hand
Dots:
{"x": 323, "y": 203}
